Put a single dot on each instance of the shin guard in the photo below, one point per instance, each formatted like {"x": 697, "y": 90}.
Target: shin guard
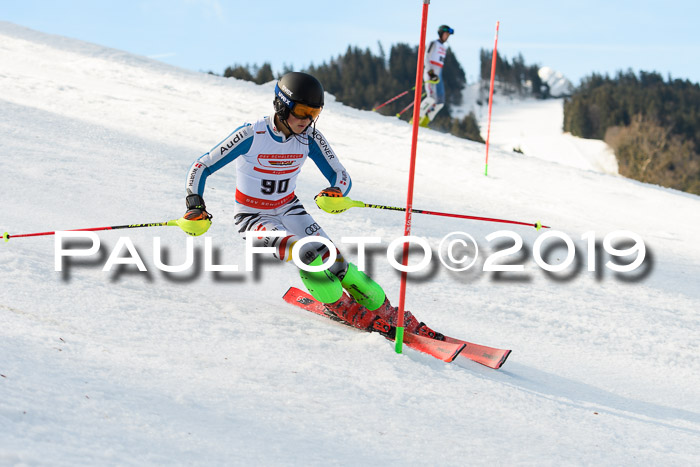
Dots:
{"x": 362, "y": 288}
{"x": 324, "y": 286}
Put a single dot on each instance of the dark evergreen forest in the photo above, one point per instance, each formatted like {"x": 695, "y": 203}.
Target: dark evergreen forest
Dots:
{"x": 652, "y": 124}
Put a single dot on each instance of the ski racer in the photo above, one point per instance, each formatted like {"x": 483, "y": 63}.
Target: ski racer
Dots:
{"x": 434, "y": 87}
{"x": 268, "y": 156}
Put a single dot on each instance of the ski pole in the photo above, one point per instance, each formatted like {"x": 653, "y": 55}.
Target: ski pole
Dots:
{"x": 173, "y": 222}
{"x": 341, "y": 204}
{"x": 393, "y": 99}
{"x": 400, "y": 96}
{"x": 405, "y": 109}
{"x": 409, "y": 106}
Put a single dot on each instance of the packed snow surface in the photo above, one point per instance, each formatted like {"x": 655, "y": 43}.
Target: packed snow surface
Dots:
{"x": 205, "y": 368}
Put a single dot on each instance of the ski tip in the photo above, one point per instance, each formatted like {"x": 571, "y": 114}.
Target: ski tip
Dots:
{"x": 442, "y": 350}
{"x": 503, "y": 360}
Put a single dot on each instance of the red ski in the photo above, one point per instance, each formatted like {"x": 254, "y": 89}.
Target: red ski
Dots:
{"x": 443, "y": 350}
{"x": 447, "y": 350}
{"x": 488, "y": 356}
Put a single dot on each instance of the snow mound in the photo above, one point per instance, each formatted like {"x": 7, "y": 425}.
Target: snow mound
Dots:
{"x": 559, "y": 85}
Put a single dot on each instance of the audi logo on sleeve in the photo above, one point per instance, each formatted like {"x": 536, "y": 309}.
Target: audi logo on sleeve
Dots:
{"x": 312, "y": 229}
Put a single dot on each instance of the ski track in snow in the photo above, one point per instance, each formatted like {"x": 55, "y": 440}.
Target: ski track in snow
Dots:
{"x": 126, "y": 367}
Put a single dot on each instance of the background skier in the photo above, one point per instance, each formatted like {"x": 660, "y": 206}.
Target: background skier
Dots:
{"x": 432, "y": 76}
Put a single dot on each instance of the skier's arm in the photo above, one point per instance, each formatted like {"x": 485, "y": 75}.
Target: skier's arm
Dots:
{"x": 235, "y": 144}
{"x": 327, "y": 161}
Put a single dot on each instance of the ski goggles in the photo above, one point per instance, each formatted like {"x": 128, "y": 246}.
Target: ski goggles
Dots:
{"x": 302, "y": 111}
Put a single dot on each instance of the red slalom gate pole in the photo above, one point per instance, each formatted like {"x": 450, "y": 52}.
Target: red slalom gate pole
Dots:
{"x": 493, "y": 75}
{"x": 411, "y": 174}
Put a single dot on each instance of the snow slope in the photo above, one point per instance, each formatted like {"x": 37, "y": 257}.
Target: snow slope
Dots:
{"x": 534, "y": 127}
{"x": 202, "y": 368}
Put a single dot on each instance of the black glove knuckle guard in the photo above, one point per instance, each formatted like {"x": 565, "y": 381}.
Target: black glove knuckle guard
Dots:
{"x": 195, "y": 201}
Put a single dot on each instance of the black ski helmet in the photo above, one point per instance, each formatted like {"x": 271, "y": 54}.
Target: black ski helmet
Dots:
{"x": 445, "y": 28}
{"x": 297, "y": 88}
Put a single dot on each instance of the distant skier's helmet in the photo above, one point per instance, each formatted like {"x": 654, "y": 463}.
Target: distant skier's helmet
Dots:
{"x": 445, "y": 28}
{"x": 299, "y": 94}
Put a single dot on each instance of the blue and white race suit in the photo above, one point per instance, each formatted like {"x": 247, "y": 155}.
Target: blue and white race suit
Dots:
{"x": 267, "y": 167}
